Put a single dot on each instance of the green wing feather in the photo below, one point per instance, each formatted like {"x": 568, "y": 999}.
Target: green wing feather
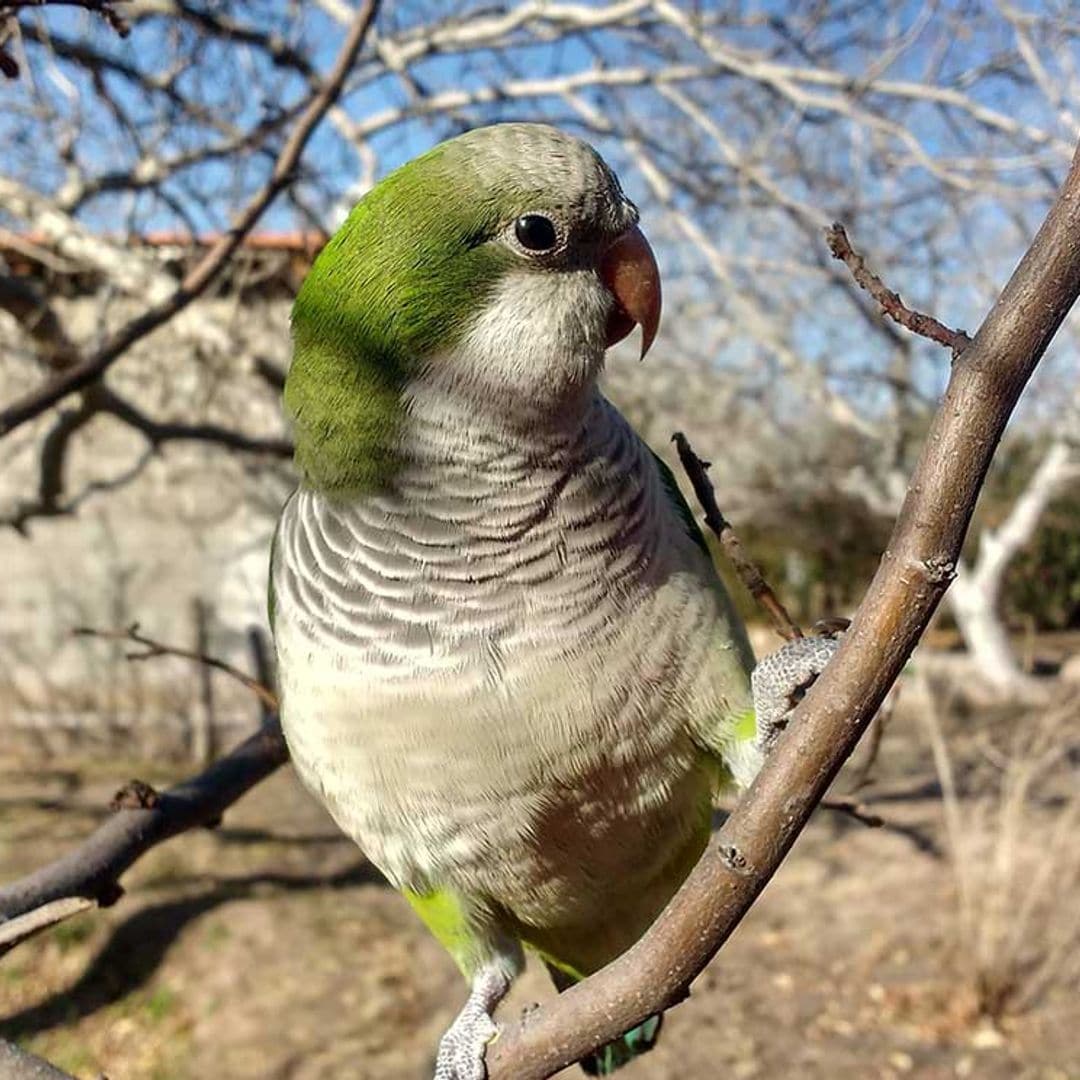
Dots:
{"x": 745, "y": 724}
{"x": 674, "y": 493}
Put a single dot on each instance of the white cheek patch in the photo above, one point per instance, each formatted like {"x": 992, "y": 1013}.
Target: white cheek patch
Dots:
{"x": 539, "y": 343}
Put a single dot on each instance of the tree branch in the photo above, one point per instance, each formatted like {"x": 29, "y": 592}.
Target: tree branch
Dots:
{"x": 90, "y": 873}
{"x": 17, "y": 1064}
{"x": 924, "y": 325}
{"x": 16, "y": 930}
{"x": 93, "y": 869}
{"x": 915, "y": 570}
{"x": 749, "y": 572}
{"x": 151, "y": 649}
{"x": 99, "y": 7}
{"x": 39, "y": 320}
{"x": 158, "y": 432}
{"x": 105, "y": 8}
{"x": 98, "y": 400}
{"x": 51, "y": 468}
{"x": 93, "y": 366}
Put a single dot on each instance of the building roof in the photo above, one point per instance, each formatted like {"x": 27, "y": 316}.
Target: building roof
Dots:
{"x": 267, "y": 262}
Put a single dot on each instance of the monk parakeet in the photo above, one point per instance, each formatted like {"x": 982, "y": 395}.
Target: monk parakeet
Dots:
{"x": 506, "y": 663}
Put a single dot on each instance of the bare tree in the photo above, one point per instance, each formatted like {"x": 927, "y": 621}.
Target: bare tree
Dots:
{"x": 741, "y": 135}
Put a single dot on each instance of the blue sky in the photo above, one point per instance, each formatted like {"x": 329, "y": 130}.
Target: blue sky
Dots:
{"x": 894, "y": 207}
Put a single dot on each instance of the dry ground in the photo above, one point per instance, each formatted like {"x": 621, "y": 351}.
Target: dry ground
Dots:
{"x": 269, "y": 949}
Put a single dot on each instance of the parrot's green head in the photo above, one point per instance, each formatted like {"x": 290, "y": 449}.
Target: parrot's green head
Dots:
{"x": 496, "y": 268}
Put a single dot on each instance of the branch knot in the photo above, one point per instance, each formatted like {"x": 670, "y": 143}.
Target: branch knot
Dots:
{"x": 135, "y": 795}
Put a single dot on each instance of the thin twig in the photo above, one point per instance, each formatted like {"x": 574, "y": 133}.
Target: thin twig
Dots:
{"x": 749, "y": 572}
{"x": 195, "y": 282}
{"x": 151, "y": 648}
{"x": 751, "y": 576}
{"x": 261, "y": 661}
{"x": 890, "y": 303}
{"x": 854, "y": 810}
{"x": 105, "y": 8}
{"x": 14, "y": 931}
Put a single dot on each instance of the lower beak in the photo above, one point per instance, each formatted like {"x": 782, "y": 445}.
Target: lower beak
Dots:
{"x": 628, "y": 268}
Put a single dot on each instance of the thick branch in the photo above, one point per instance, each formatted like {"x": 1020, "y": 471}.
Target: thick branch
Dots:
{"x": 16, "y": 1064}
{"x": 93, "y": 869}
{"x": 94, "y": 365}
{"x": 915, "y": 571}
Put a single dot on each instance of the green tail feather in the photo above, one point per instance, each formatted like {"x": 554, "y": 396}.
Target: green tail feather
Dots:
{"x": 620, "y": 1051}
{"x": 623, "y": 1050}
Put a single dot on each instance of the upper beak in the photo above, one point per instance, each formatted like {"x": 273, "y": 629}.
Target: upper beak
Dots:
{"x": 628, "y": 268}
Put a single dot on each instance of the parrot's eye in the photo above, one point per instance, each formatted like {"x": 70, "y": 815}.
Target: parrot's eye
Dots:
{"x": 535, "y": 232}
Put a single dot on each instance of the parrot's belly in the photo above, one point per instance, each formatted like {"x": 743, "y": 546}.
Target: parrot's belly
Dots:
{"x": 544, "y": 784}
{"x": 502, "y": 691}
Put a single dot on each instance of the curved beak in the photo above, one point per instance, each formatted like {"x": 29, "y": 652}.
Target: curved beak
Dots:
{"x": 628, "y": 268}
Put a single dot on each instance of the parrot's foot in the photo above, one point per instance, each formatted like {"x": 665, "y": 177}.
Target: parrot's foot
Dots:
{"x": 461, "y": 1050}
{"x": 781, "y": 679}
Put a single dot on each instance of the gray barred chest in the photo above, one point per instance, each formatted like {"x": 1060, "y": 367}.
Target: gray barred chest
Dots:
{"x": 472, "y": 681}
{"x": 566, "y": 768}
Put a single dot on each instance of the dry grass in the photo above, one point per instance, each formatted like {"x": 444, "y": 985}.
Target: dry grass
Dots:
{"x": 266, "y": 949}
{"x": 1011, "y": 826}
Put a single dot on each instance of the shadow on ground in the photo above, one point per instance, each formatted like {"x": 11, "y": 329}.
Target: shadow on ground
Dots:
{"x": 138, "y": 945}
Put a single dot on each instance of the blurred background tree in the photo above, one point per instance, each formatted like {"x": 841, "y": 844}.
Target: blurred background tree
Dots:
{"x": 935, "y": 131}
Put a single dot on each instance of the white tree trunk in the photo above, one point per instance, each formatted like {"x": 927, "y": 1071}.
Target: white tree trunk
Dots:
{"x": 974, "y": 605}
{"x": 974, "y": 595}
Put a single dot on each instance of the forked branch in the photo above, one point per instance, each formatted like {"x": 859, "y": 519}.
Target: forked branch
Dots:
{"x": 105, "y": 8}
{"x": 142, "y": 820}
